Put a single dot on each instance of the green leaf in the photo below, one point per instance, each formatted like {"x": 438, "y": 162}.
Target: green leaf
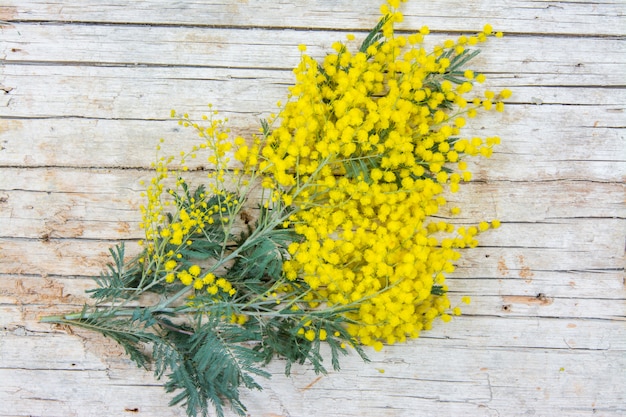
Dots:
{"x": 437, "y": 290}
{"x": 280, "y": 337}
{"x": 453, "y": 77}
{"x": 118, "y": 279}
{"x": 210, "y": 366}
{"x": 261, "y": 258}
{"x": 128, "y": 333}
{"x": 374, "y": 35}
{"x": 202, "y": 249}
{"x": 460, "y": 60}
{"x": 361, "y": 166}
{"x": 265, "y": 127}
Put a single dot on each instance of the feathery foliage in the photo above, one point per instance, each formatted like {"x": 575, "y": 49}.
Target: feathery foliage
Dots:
{"x": 343, "y": 248}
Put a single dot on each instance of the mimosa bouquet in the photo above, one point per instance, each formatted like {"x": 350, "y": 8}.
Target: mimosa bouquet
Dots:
{"x": 325, "y": 229}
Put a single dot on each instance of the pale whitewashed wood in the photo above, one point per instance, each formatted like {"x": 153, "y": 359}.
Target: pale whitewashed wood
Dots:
{"x": 461, "y": 380}
{"x": 93, "y": 193}
{"x": 54, "y": 256}
{"x": 586, "y": 142}
{"x": 85, "y": 93}
{"x": 124, "y": 92}
{"x": 511, "y": 294}
{"x": 550, "y": 61}
{"x": 103, "y": 204}
{"x": 304, "y": 394}
{"x": 572, "y": 18}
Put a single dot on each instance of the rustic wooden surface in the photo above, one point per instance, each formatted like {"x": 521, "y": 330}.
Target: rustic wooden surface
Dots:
{"x": 85, "y": 92}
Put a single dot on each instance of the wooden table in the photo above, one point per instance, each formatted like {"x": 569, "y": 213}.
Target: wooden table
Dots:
{"x": 86, "y": 87}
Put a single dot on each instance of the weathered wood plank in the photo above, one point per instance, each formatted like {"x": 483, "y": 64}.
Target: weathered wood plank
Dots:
{"x": 535, "y": 293}
{"x": 507, "y": 304}
{"x": 116, "y": 194}
{"x": 577, "y": 142}
{"x": 150, "y": 93}
{"x": 550, "y": 61}
{"x": 574, "y": 18}
{"x": 517, "y": 278}
{"x": 515, "y": 290}
{"x": 75, "y": 257}
{"x": 103, "y": 204}
{"x": 475, "y": 329}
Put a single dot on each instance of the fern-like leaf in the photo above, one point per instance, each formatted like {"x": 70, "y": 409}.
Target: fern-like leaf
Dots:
{"x": 210, "y": 366}
{"x": 128, "y": 333}
{"x": 117, "y": 281}
{"x": 374, "y": 35}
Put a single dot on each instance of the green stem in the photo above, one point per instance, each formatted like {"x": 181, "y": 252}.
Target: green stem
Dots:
{"x": 82, "y": 315}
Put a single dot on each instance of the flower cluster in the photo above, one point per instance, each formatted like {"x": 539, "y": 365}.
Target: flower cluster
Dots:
{"x": 330, "y": 226}
{"x": 358, "y": 166}
{"x": 169, "y": 237}
{"x": 364, "y": 152}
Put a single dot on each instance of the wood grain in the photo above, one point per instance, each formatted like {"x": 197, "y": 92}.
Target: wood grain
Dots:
{"x": 572, "y": 18}
{"x": 86, "y": 88}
